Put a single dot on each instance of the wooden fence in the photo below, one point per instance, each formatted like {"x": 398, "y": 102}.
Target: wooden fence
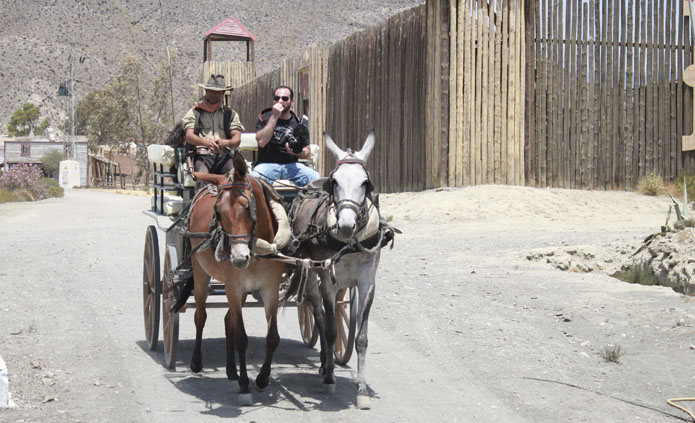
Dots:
{"x": 306, "y": 75}
{"x": 376, "y": 80}
{"x": 563, "y": 93}
{"x": 608, "y": 104}
{"x": 486, "y": 92}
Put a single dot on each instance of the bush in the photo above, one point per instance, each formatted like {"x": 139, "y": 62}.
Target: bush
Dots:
{"x": 51, "y": 162}
{"x": 6, "y": 196}
{"x": 690, "y": 183}
{"x": 24, "y": 177}
{"x": 612, "y": 353}
{"x": 642, "y": 275}
{"x": 52, "y": 188}
{"x": 651, "y": 184}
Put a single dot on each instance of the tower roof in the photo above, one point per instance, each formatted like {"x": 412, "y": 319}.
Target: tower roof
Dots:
{"x": 230, "y": 29}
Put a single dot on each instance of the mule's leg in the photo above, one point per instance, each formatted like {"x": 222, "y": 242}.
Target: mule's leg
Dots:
{"x": 269, "y": 293}
{"x": 314, "y": 297}
{"x": 328, "y": 292}
{"x": 229, "y": 333}
{"x": 365, "y": 304}
{"x": 240, "y": 340}
{"x": 201, "y": 294}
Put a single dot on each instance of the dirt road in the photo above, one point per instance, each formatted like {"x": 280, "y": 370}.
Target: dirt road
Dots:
{"x": 463, "y": 328}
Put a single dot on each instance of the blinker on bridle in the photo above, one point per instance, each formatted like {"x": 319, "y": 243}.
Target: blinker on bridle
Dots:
{"x": 241, "y": 187}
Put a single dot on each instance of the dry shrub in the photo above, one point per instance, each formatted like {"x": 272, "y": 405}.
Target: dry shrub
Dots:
{"x": 612, "y": 353}
{"x": 23, "y": 195}
{"x": 651, "y": 184}
{"x": 689, "y": 182}
{"x": 641, "y": 275}
{"x": 6, "y": 196}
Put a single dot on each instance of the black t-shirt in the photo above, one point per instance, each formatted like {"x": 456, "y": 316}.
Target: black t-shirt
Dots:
{"x": 274, "y": 151}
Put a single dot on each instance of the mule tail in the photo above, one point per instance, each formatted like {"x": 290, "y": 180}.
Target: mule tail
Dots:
{"x": 183, "y": 290}
{"x": 297, "y": 282}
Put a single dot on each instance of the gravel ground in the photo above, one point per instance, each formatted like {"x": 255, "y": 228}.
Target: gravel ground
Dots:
{"x": 463, "y": 324}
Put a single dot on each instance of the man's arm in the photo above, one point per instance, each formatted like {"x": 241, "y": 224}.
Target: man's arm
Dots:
{"x": 264, "y": 135}
{"x": 235, "y": 128}
{"x": 234, "y": 142}
{"x": 303, "y": 155}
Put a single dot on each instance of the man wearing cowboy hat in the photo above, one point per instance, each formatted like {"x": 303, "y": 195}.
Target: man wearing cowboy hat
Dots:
{"x": 213, "y": 129}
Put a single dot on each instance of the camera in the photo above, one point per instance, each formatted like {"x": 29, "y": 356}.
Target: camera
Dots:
{"x": 297, "y": 138}
{"x": 301, "y": 133}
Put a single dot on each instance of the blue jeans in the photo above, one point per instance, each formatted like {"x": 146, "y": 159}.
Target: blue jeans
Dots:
{"x": 298, "y": 173}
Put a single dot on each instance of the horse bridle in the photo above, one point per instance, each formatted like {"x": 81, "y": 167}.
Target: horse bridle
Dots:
{"x": 241, "y": 187}
{"x": 360, "y": 209}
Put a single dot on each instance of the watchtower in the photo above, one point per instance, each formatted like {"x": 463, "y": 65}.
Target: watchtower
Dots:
{"x": 237, "y": 72}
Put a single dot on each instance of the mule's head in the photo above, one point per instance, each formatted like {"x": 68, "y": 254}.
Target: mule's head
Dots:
{"x": 349, "y": 184}
{"x": 235, "y": 208}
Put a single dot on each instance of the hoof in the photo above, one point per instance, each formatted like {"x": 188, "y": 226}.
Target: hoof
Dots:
{"x": 260, "y": 387}
{"x": 245, "y": 399}
{"x": 363, "y": 402}
{"x": 196, "y": 367}
{"x": 329, "y": 388}
{"x": 232, "y": 376}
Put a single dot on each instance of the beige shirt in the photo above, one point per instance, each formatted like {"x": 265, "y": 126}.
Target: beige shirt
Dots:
{"x": 211, "y": 124}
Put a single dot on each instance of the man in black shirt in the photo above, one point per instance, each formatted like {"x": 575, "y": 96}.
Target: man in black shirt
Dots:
{"x": 282, "y": 141}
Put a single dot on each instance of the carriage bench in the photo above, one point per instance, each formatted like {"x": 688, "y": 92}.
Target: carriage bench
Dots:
{"x": 174, "y": 186}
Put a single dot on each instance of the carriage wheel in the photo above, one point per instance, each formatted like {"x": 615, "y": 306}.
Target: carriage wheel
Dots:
{"x": 151, "y": 287}
{"x": 345, "y": 323}
{"x": 307, "y": 324}
{"x": 170, "y": 322}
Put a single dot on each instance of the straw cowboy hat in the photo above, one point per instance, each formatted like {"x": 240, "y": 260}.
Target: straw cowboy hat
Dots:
{"x": 216, "y": 83}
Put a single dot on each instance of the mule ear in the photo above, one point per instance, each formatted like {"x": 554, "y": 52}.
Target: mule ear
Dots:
{"x": 367, "y": 147}
{"x": 239, "y": 164}
{"x": 210, "y": 178}
{"x": 328, "y": 185}
{"x": 337, "y": 152}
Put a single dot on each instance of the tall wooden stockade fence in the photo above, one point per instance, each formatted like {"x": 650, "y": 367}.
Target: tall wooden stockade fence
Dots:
{"x": 607, "y": 104}
{"x": 563, "y": 93}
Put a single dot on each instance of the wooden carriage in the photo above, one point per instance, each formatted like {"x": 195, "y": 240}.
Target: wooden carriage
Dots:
{"x": 173, "y": 189}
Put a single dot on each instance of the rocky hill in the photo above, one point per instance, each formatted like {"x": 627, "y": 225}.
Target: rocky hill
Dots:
{"x": 36, "y": 37}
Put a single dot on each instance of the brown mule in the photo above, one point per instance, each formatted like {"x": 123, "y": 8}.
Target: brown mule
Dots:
{"x": 237, "y": 214}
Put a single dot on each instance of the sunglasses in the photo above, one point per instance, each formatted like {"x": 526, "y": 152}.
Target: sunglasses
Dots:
{"x": 278, "y": 97}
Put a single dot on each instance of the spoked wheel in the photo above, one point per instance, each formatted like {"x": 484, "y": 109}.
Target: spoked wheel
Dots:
{"x": 307, "y": 324}
{"x": 170, "y": 322}
{"x": 151, "y": 287}
{"x": 345, "y": 323}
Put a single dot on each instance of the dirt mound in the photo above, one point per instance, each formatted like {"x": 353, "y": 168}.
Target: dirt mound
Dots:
{"x": 664, "y": 258}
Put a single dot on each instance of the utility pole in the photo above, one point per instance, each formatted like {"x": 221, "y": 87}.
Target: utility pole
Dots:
{"x": 71, "y": 75}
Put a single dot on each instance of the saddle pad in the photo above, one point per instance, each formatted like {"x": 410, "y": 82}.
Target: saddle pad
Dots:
{"x": 282, "y": 236}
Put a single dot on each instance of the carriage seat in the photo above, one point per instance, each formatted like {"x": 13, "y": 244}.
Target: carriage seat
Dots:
{"x": 166, "y": 156}
{"x": 161, "y": 154}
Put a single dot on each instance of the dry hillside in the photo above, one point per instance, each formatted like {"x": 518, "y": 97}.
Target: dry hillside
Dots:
{"x": 35, "y": 39}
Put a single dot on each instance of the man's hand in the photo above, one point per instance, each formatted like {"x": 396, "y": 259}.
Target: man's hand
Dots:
{"x": 277, "y": 110}
{"x": 289, "y": 150}
{"x": 212, "y": 145}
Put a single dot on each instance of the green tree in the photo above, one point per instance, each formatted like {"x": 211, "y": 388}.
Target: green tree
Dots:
{"x": 23, "y": 120}
{"x": 51, "y": 162}
{"x": 131, "y": 108}
{"x": 41, "y": 127}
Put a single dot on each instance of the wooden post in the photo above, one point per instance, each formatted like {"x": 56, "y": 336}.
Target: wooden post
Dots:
{"x": 688, "y": 143}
